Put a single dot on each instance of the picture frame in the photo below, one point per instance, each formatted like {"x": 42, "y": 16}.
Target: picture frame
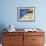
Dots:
{"x": 26, "y": 14}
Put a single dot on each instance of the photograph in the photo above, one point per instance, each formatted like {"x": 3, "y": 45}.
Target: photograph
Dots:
{"x": 26, "y": 14}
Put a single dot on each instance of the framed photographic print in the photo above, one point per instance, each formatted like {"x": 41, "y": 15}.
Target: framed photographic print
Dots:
{"x": 26, "y": 14}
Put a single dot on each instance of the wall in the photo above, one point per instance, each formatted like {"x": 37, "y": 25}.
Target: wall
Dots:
{"x": 9, "y": 13}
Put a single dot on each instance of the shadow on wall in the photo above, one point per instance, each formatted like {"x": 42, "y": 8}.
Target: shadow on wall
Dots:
{"x": 2, "y": 27}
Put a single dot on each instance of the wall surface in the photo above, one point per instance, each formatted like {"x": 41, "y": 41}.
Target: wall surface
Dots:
{"x": 8, "y": 13}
